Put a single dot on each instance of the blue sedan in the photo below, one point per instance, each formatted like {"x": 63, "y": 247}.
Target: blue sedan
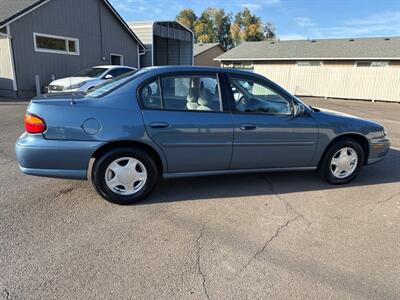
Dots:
{"x": 189, "y": 121}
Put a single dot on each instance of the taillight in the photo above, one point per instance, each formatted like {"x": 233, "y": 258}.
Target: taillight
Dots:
{"x": 34, "y": 124}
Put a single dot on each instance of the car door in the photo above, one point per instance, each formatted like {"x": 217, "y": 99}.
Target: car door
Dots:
{"x": 267, "y": 134}
{"x": 187, "y": 116}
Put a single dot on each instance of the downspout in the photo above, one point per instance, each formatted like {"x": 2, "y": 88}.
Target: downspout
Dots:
{"x": 152, "y": 44}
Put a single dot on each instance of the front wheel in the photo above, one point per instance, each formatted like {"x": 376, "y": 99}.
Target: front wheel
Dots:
{"x": 125, "y": 176}
{"x": 342, "y": 162}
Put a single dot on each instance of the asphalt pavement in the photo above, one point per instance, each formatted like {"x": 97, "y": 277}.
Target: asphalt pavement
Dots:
{"x": 255, "y": 236}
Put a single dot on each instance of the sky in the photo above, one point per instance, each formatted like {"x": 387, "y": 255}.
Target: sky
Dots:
{"x": 294, "y": 19}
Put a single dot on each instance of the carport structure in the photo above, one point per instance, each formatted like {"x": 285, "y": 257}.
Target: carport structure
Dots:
{"x": 166, "y": 42}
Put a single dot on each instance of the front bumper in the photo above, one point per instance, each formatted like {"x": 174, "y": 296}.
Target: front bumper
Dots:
{"x": 378, "y": 149}
{"x": 54, "y": 158}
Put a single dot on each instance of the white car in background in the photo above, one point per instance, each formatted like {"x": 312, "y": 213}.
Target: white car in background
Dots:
{"x": 87, "y": 79}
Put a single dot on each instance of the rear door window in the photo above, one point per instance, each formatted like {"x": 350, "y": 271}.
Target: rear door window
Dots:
{"x": 151, "y": 96}
{"x": 193, "y": 93}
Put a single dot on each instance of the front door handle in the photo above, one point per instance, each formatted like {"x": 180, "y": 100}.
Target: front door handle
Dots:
{"x": 248, "y": 127}
{"x": 159, "y": 125}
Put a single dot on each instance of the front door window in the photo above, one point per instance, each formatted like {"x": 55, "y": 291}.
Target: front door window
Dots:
{"x": 252, "y": 97}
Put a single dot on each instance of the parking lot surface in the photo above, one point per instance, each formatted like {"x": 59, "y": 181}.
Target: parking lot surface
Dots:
{"x": 280, "y": 235}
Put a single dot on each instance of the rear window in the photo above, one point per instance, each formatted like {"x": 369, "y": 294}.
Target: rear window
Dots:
{"x": 113, "y": 84}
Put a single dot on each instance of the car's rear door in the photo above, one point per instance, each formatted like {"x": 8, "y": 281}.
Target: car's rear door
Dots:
{"x": 266, "y": 132}
{"x": 187, "y": 115}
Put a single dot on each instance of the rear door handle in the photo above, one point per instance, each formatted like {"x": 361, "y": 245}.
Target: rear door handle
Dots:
{"x": 248, "y": 127}
{"x": 159, "y": 125}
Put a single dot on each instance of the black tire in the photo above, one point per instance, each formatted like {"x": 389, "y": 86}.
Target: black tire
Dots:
{"x": 325, "y": 166}
{"x": 99, "y": 175}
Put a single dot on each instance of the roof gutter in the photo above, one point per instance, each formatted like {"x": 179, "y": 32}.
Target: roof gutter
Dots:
{"x": 307, "y": 58}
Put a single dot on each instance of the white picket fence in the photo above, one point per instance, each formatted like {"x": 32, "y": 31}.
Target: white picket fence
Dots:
{"x": 336, "y": 81}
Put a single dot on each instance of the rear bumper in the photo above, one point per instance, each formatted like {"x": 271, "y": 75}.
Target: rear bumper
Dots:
{"x": 378, "y": 148}
{"x": 54, "y": 158}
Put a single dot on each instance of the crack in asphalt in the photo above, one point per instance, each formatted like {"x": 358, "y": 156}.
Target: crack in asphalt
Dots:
{"x": 198, "y": 263}
{"x": 8, "y": 294}
{"x": 267, "y": 242}
{"x": 288, "y": 206}
{"x": 66, "y": 191}
{"x": 388, "y": 198}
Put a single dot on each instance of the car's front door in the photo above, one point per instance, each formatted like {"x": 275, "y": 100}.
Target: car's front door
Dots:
{"x": 267, "y": 134}
{"x": 185, "y": 115}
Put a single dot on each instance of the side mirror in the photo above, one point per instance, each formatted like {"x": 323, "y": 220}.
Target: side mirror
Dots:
{"x": 108, "y": 76}
{"x": 299, "y": 109}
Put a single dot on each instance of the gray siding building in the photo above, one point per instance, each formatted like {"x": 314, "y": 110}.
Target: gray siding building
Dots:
{"x": 57, "y": 38}
{"x": 167, "y": 43}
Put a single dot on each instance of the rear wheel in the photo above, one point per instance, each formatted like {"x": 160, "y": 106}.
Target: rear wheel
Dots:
{"x": 125, "y": 176}
{"x": 342, "y": 162}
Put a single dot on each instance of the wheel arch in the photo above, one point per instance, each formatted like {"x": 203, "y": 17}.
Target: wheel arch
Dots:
{"x": 362, "y": 140}
{"x": 155, "y": 154}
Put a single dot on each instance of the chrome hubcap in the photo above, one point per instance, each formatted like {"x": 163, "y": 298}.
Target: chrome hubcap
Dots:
{"x": 126, "y": 176}
{"x": 344, "y": 162}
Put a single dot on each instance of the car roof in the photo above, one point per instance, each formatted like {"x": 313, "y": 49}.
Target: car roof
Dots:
{"x": 112, "y": 67}
{"x": 171, "y": 69}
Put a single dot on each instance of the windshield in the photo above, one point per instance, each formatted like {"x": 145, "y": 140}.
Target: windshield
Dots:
{"x": 113, "y": 84}
{"x": 91, "y": 72}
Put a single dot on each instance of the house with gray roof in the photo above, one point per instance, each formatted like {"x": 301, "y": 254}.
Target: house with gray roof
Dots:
{"x": 359, "y": 68}
{"x": 205, "y": 53}
{"x": 46, "y": 39}
{"x": 361, "y": 52}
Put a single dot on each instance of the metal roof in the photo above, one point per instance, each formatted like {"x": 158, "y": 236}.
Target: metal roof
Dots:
{"x": 327, "y": 49}
{"x": 160, "y": 28}
{"x": 200, "y": 48}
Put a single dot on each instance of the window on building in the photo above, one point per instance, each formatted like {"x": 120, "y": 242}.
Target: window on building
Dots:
{"x": 372, "y": 63}
{"x": 56, "y": 44}
{"x": 247, "y": 66}
{"x": 311, "y": 63}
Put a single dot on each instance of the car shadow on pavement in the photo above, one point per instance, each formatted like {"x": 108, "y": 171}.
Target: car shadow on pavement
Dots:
{"x": 257, "y": 184}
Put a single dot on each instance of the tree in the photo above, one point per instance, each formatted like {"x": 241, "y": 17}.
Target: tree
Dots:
{"x": 213, "y": 27}
{"x": 249, "y": 27}
{"x": 222, "y": 24}
{"x": 187, "y": 17}
{"x": 269, "y": 31}
{"x": 203, "y": 28}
